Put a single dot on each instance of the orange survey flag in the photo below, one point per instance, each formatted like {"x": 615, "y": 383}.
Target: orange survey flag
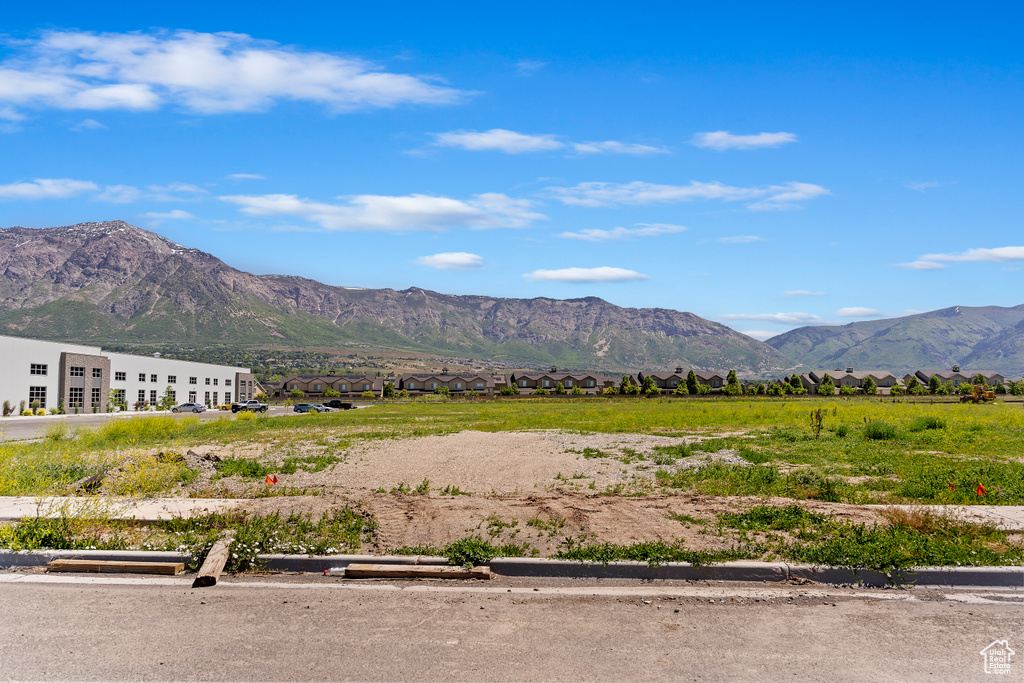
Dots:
{"x": 268, "y": 480}
{"x": 980, "y": 490}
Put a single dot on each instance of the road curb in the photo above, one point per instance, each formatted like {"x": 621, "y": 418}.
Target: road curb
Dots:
{"x": 991, "y": 577}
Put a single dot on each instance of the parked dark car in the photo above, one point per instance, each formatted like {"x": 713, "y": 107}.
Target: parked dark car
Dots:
{"x": 189, "y": 408}
{"x": 339, "y": 405}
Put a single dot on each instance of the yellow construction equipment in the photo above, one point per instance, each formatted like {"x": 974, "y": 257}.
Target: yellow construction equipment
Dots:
{"x": 979, "y": 394}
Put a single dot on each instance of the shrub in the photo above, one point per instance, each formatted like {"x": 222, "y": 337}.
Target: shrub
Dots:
{"x": 40, "y": 411}
{"x": 510, "y": 390}
{"x": 370, "y": 394}
{"x": 261, "y": 397}
{"x": 847, "y": 390}
{"x": 879, "y": 430}
{"x": 577, "y": 391}
{"x": 27, "y": 411}
{"x": 627, "y": 387}
{"x": 775, "y": 389}
{"x": 870, "y": 388}
{"x": 1017, "y": 389}
{"x": 389, "y": 390}
{"x": 297, "y": 393}
{"x": 8, "y": 408}
{"x": 1000, "y": 388}
{"x": 331, "y": 393}
{"x": 796, "y": 385}
{"x": 914, "y": 387}
{"x": 703, "y": 389}
{"x": 649, "y": 387}
{"x": 541, "y": 391}
{"x": 609, "y": 391}
{"x": 896, "y": 390}
{"x": 733, "y": 389}
{"x": 403, "y": 393}
{"x": 559, "y": 388}
{"x": 919, "y": 424}
{"x": 827, "y": 386}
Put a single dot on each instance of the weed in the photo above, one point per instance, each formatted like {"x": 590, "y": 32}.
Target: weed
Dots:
{"x": 243, "y": 467}
{"x": 495, "y": 526}
{"x": 685, "y": 519}
{"x": 454, "y": 491}
{"x": 401, "y": 488}
{"x": 919, "y": 424}
{"x": 880, "y": 430}
{"x": 553, "y": 526}
{"x": 653, "y": 553}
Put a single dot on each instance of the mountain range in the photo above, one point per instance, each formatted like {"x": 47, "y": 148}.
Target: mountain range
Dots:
{"x": 111, "y": 281}
{"x": 976, "y": 338}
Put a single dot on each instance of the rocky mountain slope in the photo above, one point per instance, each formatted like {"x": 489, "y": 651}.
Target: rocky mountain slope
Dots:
{"x": 113, "y": 281}
{"x": 977, "y": 338}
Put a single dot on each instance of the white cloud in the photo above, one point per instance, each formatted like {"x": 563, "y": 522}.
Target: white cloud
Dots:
{"x": 939, "y": 261}
{"x": 922, "y": 265}
{"x": 922, "y": 186}
{"x": 803, "y": 292}
{"x": 206, "y": 73}
{"x": 247, "y": 176}
{"x": 858, "y": 312}
{"x": 723, "y": 139}
{"x": 384, "y": 213}
{"x": 47, "y": 188}
{"x": 456, "y": 260}
{"x": 10, "y": 115}
{"x": 638, "y": 192}
{"x": 512, "y": 142}
{"x": 498, "y": 139}
{"x": 759, "y": 334}
{"x": 741, "y": 239}
{"x": 176, "y": 215}
{"x": 585, "y": 275}
{"x": 119, "y": 194}
{"x": 527, "y": 67}
{"x": 87, "y": 124}
{"x": 617, "y": 234}
{"x": 616, "y": 147}
{"x": 784, "y": 318}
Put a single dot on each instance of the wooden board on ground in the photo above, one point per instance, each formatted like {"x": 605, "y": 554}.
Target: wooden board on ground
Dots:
{"x": 212, "y": 567}
{"x": 171, "y": 568}
{"x": 414, "y": 571}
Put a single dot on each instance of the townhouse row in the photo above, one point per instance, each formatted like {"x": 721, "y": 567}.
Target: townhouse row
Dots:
{"x": 885, "y": 381}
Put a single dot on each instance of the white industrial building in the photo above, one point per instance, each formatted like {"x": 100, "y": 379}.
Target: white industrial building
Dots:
{"x": 84, "y": 378}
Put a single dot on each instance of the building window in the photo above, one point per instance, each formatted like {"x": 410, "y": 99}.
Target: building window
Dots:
{"x": 173, "y": 395}
{"x": 715, "y": 383}
{"x": 37, "y": 394}
{"x": 366, "y": 387}
{"x": 568, "y": 384}
{"x": 294, "y": 386}
{"x": 227, "y": 383}
{"x": 316, "y": 387}
{"x": 207, "y": 381}
{"x": 590, "y": 382}
{"x": 412, "y": 385}
{"x": 547, "y": 383}
{"x": 120, "y": 376}
{"x": 142, "y": 395}
{"x": 172, "y": 379}
{"x": 38, "y": 369}
{"x": 344, "y": 387}
{"x": 207, "y": 399}
{"x": 675, "y": 383}
{"x": 216, "y": 397}
{"x": 433, "y": 385}
{"x": 152, "y": 378}
{"x": 97, "y": 373}
{"x": 479, "y": 385}
{"x": 77, "y": 371}
{"x": 214, "y": 381}
{"x": 522, "y": 382}
{"x": 191, "y": 397}
{"x": 152, "y": 396}
{"x": 142, "y": 377}
{"x": 95, "y": 397}
{"x": 193, "y": 380}
{"x": 119, "y": 397}
{"x": 76, "y": 397}
{"x": 458, "y": 385}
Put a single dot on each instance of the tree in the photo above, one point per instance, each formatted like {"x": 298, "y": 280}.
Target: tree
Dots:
{"x": 870, "y": 388}
{"x": 510, "y": 390}
{"x": 297, "y": 393}
{"x": 691, "y": 382}
{"x": 796, "y": 385}
{"x": 703, "y": 389}
{"x": 681, "y": 389}
{"x": 1018, "y": 388}
{"x": 389, "y": 390}
{"x": 331, "y": 393}
{"x": 732, "y": 385}
{"x": 610, "y": 391}
{"x": 914, "y": 387}
{"x": 1000, "y": 388}
{"x": 934, "y": 384}
{"x": 759, "y": 389}
{"x": 896, "y": 390}
{"x": 559, "y": 388}
{"x": 167, "y": 400}
{"x": 577, "y": 391}
{"x": 775, "y": 389}
{"x": 847, "y": 390}
{"x": 443, "y": 391}
{"x": 731, "y": 378}
{"x": 649, "y": 387}
{"x": 979, "y": 379}
{"x": 627, "y": 387}
{"x": 827, "y": 386}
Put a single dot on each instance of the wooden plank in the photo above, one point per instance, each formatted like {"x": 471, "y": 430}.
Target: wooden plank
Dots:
{"x": 110, "y": 566}
{"x": 415, "y": 571}
{"x": 215, "y": 561}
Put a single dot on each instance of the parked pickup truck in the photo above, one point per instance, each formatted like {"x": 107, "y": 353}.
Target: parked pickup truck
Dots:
{"x": 254, "y": 406}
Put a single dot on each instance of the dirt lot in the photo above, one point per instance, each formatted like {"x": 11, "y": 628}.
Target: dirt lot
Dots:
{"x": 537, "y": 487}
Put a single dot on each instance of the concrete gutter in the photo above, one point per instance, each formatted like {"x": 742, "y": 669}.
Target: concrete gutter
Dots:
{"x": 993, "y": 577}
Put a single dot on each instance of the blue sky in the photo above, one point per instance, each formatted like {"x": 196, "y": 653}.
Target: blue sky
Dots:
{"x": 762, "y": 166}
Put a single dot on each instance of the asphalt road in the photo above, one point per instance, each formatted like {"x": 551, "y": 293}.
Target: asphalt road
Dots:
{"x": 313, "y": 628}
{"x": 20, "y": 428}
